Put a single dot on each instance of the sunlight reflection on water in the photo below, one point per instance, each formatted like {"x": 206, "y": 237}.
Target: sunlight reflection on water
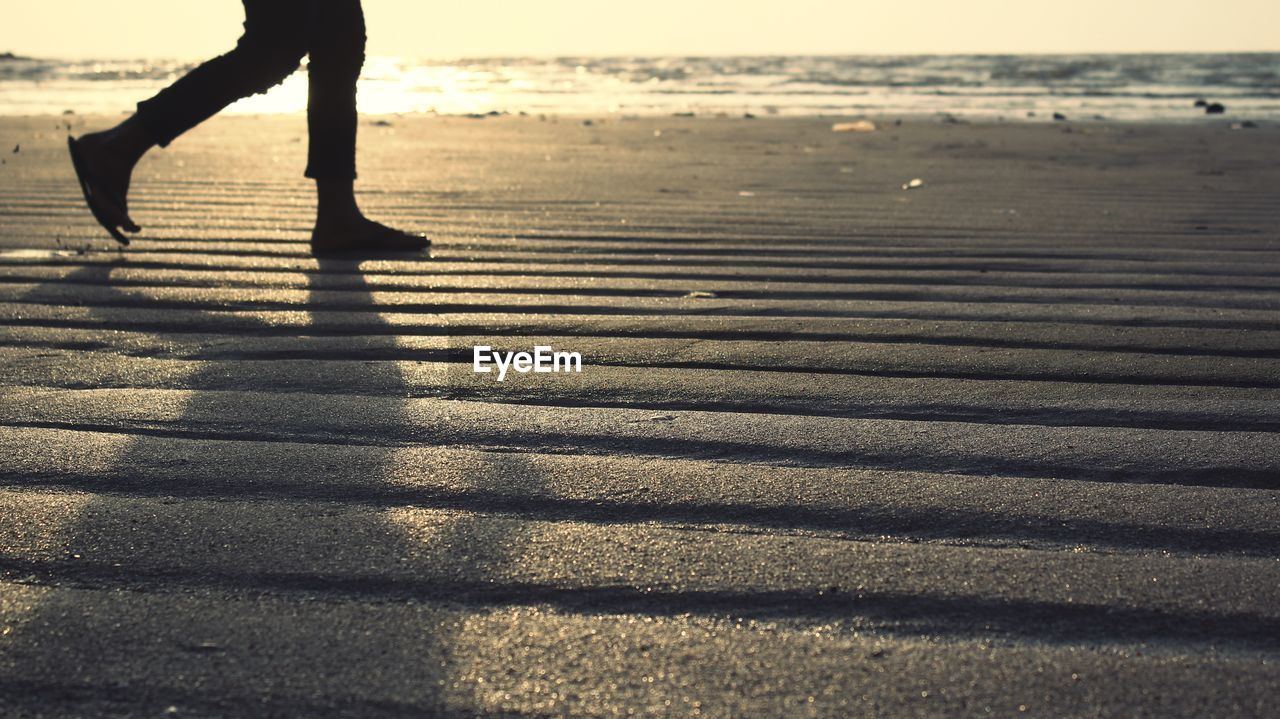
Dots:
{"x": 1133, "y": 87}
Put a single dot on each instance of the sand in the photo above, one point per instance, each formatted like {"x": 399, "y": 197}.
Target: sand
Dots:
{"x": 1003, "y": 443}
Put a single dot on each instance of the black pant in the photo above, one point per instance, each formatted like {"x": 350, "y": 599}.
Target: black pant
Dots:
{"x": 277, "y": 34}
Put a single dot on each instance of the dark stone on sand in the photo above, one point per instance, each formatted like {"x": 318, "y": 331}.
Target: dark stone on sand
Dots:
{"x": 1059, "y": 117}
{"x": 1201, "y": 102}
{"x": 1215, "y": 108}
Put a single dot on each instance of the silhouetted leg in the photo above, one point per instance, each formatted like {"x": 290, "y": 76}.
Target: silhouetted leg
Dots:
{"x": 337, "y": 42}
{"x": 274, "y": 41}
{"x": 277, "y": 34}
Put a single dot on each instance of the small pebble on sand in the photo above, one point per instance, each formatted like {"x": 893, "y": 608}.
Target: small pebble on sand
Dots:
{"x": 859, "y": 126}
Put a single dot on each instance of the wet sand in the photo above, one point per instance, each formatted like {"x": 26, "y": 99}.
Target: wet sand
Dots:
{"x": 1003, "y": 443}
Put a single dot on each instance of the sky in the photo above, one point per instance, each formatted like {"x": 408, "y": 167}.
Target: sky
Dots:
{"x": 193, "y": 29}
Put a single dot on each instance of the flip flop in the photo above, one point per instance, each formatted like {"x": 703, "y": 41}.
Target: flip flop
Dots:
{"x": 95, "y": 202}
{"x": 388, "y": 243}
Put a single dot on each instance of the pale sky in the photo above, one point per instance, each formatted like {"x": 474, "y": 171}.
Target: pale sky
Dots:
{"x": 434, "y": 29}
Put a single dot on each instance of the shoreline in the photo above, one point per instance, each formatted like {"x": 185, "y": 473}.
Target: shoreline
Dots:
{"x": 882, "y": 121}
{"x": 1129, "y": 88}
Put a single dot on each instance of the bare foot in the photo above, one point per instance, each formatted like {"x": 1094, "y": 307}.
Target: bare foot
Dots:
{"x": 358, "y": 235}
{"x": 107, "y": 176}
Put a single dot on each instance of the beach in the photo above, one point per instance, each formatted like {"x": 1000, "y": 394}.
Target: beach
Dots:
{"x": 1003, "y": 440}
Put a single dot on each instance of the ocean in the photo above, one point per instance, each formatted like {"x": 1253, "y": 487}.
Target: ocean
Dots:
{"x": 1130, "y": 87}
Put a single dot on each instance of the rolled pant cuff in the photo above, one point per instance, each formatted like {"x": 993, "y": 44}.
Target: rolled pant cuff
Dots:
{"x": 329, "y": 173}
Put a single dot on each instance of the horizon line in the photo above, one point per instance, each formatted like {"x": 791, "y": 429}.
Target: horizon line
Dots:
{"x": 614, "y": 55}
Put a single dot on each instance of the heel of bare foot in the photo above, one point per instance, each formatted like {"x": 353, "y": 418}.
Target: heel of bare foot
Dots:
{"x": 363, "y": 237}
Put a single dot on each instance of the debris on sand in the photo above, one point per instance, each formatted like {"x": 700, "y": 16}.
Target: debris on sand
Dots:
{"x": 1215, "y": 108}
{"x": 656, "y": 418}
{"x": 700, "y": 295}
{"x": 1246, "y": 125}
{"x": 203, "y": 648}
{"x": 859, "y": 126}
{"x": 915, "y": 184}
{"x": 1201, "y": 103}
{"x": 381, "y": 123}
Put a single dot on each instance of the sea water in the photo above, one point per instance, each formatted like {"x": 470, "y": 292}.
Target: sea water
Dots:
{"x": 1013, "y": 87}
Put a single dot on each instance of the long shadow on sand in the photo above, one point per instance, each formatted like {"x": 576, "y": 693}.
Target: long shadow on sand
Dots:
{"x": 275, "y": 614}
{"x": 74, "y": 653}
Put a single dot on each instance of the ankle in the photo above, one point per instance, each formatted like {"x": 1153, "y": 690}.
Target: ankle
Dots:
{"x": 336, "y": 201}
{"x": 128, "y": 141}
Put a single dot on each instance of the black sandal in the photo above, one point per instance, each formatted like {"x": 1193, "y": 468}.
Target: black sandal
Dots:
{"x": 386, "y": 243}
{"x": 87, "y": 181}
